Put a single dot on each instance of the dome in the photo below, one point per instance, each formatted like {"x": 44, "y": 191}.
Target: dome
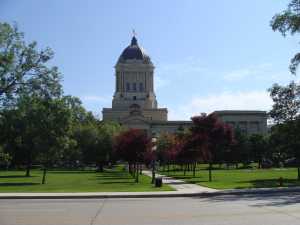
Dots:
{"x": 134, "y": 52}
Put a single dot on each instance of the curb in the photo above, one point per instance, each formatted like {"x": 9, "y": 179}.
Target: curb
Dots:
{"x": 262, "y": 191}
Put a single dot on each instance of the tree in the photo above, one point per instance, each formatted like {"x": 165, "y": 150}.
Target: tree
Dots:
{"x": 240, "y": 151}
{"x": 289, "y": 21}
{"x": 23, "y": 66}
{"x": 285, "y": 112}
{"x": 132, "y": 146}
{"x": 258, "y": 147}
{"x": 285, "y": 140}
{"x": 107, "y": 133}
{"x": 5, "y": 158}
{"x": 83, "y": 127}
{"x": 211, "y": 137}
{"x": 165, "y": 148}
{"x": 87, "y": 139}
{"x": 286, "y": 100}
{"x": 54, "y": 129}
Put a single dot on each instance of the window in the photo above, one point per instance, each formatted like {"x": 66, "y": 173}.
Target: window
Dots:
{"x": 141, "y": 87}
{"x": 134, "y": 86}
{"x": 127, "y": 87}
{"x": 134, "y": 97}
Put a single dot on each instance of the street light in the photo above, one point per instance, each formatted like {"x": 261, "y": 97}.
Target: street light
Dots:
{"x": 154, "y": 147}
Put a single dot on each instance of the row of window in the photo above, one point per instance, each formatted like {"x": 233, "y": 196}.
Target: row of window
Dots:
{"x": 133, "y": 87}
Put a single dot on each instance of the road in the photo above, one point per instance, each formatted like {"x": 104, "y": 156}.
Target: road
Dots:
{"x": 270, "y": 209}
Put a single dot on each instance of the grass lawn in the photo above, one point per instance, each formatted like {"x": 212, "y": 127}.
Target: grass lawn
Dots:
{"x": 240, "y": 178}
{"x": 76, "y": 181}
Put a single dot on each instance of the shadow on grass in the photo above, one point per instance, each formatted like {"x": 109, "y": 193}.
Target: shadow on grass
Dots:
{"x": 117, "y": 182}
{"x": 16, "y": 176}
{"x": 72, "y": 171}
{"x": 18, "y": 184}
{"x": 268, "y": 183}
{"x": 112, "y": 178}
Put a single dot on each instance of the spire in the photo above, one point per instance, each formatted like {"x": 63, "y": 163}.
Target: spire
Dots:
{"x": 134, "y": 40}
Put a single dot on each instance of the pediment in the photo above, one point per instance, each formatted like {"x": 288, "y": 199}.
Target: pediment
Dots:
{"x": 134, "y": 119}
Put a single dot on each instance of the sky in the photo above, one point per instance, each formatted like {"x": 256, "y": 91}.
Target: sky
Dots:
{"x": 209, "y": 54}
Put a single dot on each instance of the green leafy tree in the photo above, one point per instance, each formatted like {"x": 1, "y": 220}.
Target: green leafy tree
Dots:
{"x": 87, "y": 139}
{"x": 23, "y": 67}
{"x": 19, "y": 131}
{"x": 288, "y": 21}
{"x": 285, "y": 141}
{"x": 285, "y": 112}
{"x": 5, "y": 158}
{"x": 258, "y": 145}
{"x": 81, "y": 120}
{"x": 107, "y": 133}
{"x": 54, "y": 130}
{"x": 286, "y": 100}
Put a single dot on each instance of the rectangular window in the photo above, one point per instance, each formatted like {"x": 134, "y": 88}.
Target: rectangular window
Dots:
{"x": 127, "y": 87}
{"x": 134, "y": 86}
{"x": 141, "y": 87}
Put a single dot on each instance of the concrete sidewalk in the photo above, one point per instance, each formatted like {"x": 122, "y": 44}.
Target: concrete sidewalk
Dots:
{"x": 180, "y": 185}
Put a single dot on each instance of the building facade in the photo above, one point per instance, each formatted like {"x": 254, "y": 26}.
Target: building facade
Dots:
{"x": 134, "y": 103}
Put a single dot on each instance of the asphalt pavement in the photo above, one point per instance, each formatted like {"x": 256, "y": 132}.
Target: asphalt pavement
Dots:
{"x": 271, "y": 209}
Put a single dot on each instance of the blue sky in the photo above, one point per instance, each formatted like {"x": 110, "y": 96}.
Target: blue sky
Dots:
{"x": 209, "y": 55}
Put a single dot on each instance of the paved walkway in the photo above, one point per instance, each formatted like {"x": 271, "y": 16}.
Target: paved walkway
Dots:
{"x": 180, "y": 185}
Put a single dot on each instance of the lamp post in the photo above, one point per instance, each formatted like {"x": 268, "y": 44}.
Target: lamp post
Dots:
{"x": 154, "y": 139}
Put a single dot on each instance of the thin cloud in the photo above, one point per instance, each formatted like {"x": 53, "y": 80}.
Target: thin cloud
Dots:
{"x": 260, "y": 72}
{"x": 250, "y": 100}
{"x": 95, "y": 98}
{"x": 186, "y": 66}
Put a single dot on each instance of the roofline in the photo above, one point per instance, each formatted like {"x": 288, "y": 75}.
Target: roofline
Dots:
{"x": 220, "y": 112}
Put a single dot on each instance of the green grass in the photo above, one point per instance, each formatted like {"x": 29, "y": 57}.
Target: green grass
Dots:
{"x": 76, "y": 181}
{"x": 240, "y": 178}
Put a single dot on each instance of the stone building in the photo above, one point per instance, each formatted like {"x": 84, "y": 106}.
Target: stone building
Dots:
{"x": 134, "y": 103}
{"x": 248, "y": 121}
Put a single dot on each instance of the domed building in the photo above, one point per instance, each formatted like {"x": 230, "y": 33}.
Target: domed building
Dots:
{"x": 134, "y": 103}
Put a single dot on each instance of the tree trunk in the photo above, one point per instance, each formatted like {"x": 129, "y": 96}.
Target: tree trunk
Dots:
{"x": 209, "y": 172}
{"x": 130, "y": 168}
{"x": 44, "y": 175}
{"x": 194, "y": 170}
{"x": 298, "y": 173}
{"x": 259, "y": 164}
{"x": 141, "y": 169}
{"x": 28, "y": 165}
{"x": 100, "y": 167}
{"x": 134, "y": 170}
{"x": 137, "y": 173}
{"x": 184, "y": 171}
{"x": 153, "y": 173}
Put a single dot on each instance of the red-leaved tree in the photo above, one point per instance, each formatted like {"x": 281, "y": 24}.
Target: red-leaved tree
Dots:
{"x": 133, "y": 146}
{"x": 210, "y": 138}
